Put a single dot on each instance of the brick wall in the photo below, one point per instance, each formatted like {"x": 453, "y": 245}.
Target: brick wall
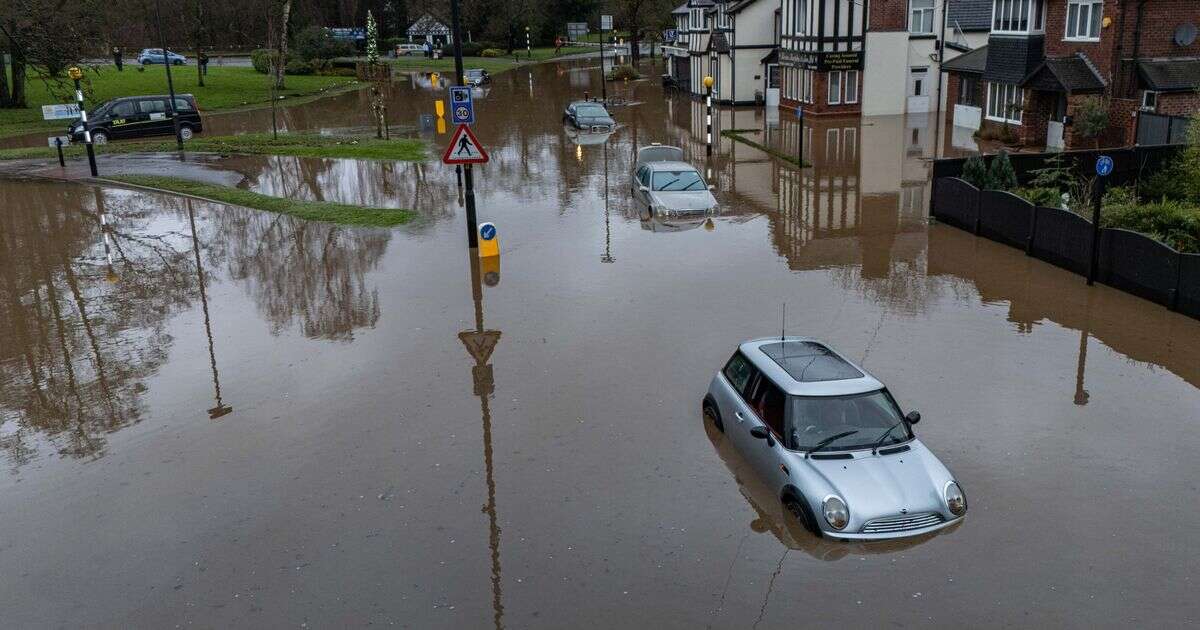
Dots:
{"x": 1035, "y": 116}
{"x": 820, "y": 106}
{"x": 888, "y": 15}
{"x": 1178, "y": 104}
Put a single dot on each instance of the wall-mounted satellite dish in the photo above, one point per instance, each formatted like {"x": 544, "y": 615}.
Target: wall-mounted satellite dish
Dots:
{"x": 1185, "y": 34}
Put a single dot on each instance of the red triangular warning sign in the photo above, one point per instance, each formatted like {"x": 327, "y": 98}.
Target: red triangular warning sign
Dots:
{"x": 464, "y": 148}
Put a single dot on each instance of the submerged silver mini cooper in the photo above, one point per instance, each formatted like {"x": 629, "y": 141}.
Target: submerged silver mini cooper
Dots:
{"x": 830, "y": 442}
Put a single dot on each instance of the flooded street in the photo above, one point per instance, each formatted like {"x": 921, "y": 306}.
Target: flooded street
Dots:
{"x": 247, "y": 420}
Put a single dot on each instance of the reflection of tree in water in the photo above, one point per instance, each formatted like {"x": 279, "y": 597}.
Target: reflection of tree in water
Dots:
{"x": 305, "y": 273}
{"x": 80, "y": 338}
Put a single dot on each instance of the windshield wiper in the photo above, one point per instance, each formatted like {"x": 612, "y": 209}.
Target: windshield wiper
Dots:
{"x": 883, "y": 437}
{"x": 667, "y": 186}
{"x": 827, "y": 441}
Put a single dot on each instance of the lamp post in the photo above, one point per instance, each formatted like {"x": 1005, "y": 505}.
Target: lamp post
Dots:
{"x": 708, "y": 85}
{"x": 162, "y": 41}
{"x": 76, "y": 74}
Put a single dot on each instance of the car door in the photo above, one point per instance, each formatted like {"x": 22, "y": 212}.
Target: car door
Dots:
{"x": 768, "y": 406}
{"x": 124, "y": 119}
{"x": 156, "y": 122}
{"x": 639, "y": 180}
{"x": 737, "y": 376}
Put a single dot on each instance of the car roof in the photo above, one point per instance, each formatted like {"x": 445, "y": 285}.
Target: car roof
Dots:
{"x": 807, "y": 367}
{"x": 671, "y": 166}
{"x": 589, "y": 103}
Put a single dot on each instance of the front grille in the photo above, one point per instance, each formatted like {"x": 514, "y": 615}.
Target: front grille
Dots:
{"x": 901, "y": 523}
{"x": 601, "y": 128}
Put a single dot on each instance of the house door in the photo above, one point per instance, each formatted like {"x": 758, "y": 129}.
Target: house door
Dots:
{"x": 918, "y": 90}
{"x": 772, "y": 90}
{"x": 1055, "y": 129}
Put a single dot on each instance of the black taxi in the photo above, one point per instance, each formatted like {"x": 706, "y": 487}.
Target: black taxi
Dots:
{"x": 139, "y": 116}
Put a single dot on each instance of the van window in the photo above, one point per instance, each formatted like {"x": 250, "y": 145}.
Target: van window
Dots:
{"x": 739, "y": 371}
{"x": 769, "y": 403}
{"x": 123, "y": 109}
{"x": 182, "y": 105}
{"x": 151, "y": 106}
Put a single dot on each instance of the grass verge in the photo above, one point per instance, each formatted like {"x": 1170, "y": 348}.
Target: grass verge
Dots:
{"x": 736, "y": 134}
{"x": 225, "y": 89}
{"x": 292, "y": 144}
{"x": 492, "y": 64}
{"x": 310, "y": 210}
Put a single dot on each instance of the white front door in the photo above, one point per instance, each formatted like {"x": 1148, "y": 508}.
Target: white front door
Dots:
{"x": 918, "y": 90}
{"x": 773, "y": 85}
{"x": 1054, "y": 136}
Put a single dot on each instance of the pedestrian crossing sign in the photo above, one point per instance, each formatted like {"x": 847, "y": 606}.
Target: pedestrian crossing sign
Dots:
{"x": 464, "y": 148}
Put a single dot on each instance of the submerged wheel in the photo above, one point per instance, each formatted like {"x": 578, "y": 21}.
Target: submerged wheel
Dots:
{"x": 99, "y": 137}
{"x": 710, "y": 410}
{"x": 802, "y": 514}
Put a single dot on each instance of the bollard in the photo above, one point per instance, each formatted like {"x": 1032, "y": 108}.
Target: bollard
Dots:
{"x": 708, "y": 85}
{"x": 58, "y": 145}
{"x": 489, "y": 240}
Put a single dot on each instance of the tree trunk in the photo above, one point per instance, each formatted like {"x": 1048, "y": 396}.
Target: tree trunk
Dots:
{"x": 282, "y": 41}
{"x": 635, "y": 45}
{"x": 4, "y": 94}
{"x": 17, "y": 99}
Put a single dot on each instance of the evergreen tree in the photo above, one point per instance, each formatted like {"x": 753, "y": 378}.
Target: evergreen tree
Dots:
{"x": 975, "y": 173}
{"x": 1001, "y": 175}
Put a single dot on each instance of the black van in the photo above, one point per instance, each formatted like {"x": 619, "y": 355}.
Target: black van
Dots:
{"x": 138, "y": 116}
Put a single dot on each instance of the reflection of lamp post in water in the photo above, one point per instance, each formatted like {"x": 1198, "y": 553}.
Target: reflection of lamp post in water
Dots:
{"x": 480, "y": 343}
{"x": 102, "y": 210}
{"x": 1081, "y": 394}
{"x": 607, "y": 257}
{"x": 221, "y": 409}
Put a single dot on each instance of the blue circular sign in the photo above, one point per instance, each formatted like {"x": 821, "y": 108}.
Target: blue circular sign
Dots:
{"x": 1104, "y": 166}
{"x": 487, "y": 231}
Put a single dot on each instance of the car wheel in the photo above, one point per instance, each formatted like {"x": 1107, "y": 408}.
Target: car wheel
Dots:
{"x": 802, "y": 514}
{"x": 99, "y": 137}
{"x": 185, "y": 133}
{"x": 710, "y": 410}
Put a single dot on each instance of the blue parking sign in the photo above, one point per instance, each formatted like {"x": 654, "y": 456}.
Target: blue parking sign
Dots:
{"x": 462, "y": 107}
{"x": 1104, "y": 166}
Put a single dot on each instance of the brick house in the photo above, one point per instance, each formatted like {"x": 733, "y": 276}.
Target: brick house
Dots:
{"x": 1045, "y": 57}
{"x": 821, "y": 55}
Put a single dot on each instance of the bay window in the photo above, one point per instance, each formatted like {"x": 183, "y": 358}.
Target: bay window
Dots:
{"x": 1019, "y": 16}
{"x": 1004, "y": 102}
{"x": 920, "y": 17}
{"x": 1083, "y": 19}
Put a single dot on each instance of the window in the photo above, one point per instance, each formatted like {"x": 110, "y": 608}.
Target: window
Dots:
{"x": 124, "y": 109}
{"x": 1083, "y": 19}
{"x": 1149, "y": 100}
{"x": 920, "y": 17}
{"x": 968, "y": 88}
{"x": 850, "y": 143}
{"x": 152, "y": 106}
{"x": 1004, "y": 102}
{"x": 669, "y": 181}
{"x": 738, "y": 371}
{"x": 769, "y": 403}
{"x": 182, "y": 105}
{"x": 1018, "y": 16}
{"x": 835, "y": 88}
{"x": 800, "y": 19}
{"x": 851, "y": 86}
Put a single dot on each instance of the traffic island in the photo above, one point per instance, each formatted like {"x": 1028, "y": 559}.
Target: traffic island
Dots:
{"x": 329, "y": 212}
{"x": 291, "y": 144}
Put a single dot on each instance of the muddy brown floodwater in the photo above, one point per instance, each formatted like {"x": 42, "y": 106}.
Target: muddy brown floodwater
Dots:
{"x": 246, "y": 420}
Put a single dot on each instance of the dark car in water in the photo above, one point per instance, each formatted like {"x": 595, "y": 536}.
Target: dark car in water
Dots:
{"x": 140, "y": 116}
{"x": 589, "y": 116}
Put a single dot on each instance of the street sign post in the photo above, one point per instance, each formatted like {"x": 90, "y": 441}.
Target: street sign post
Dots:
{"x": 1104, "y": 168}
{"x": 462, "y": 105}
{"x": 464, "y": 148}
{"x": 65, "y": 111}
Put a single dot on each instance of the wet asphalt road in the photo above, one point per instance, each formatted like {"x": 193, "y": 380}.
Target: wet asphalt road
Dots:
{"x": 293, "y": 432}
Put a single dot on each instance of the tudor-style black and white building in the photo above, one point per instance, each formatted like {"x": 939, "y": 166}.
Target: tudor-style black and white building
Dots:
{"x": 734, "y": 42}
{"x": 821, "y": 54}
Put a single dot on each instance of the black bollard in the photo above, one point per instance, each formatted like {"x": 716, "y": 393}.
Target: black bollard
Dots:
{"x": 58, "y": 145}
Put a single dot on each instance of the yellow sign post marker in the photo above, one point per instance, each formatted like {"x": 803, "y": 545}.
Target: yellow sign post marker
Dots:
{"x": 489, "y": 240}
{"x": 440, "y": 108}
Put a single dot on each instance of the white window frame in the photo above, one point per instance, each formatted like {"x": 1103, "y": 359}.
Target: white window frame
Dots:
{"x": 999, "y": 97}
{"x": 851, "y": 82}
{"x": 800, "y": 19}
{"x": 722, "y": 17}
{"x": 1085, "y": 10}
{"x": 1008, "y": 14}
{"x": 834, "y": 96}
{"x": 1152, "y": 96}
{"x": 921, "y": 14}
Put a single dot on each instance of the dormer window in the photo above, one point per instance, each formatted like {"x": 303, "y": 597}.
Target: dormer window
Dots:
{"x": 1018, "y": 17}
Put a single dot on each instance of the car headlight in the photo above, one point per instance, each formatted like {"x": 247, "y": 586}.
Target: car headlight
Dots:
{"x": 955, "y": 499}
{"x": 836, "y": 512}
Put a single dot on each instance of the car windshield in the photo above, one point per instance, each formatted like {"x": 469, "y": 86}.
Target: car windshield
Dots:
{"x": 677, "y": 181}
{"x": 591, "y": 111}
{"x": 474, "y": 73}
{"x": 814, "y": 419}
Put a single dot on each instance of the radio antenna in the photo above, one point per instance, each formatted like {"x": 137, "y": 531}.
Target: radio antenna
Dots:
{"x": 783, "y": 324}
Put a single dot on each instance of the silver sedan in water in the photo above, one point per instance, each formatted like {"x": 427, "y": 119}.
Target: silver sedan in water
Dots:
{"x": 829, "y": 440}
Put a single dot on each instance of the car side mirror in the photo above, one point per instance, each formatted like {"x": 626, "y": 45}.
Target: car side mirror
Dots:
{"x": 712, "y": 188}
{"x": 763, "y": 433}
{"x": 913, "y": 417}
{"x": 644, "y": 188}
